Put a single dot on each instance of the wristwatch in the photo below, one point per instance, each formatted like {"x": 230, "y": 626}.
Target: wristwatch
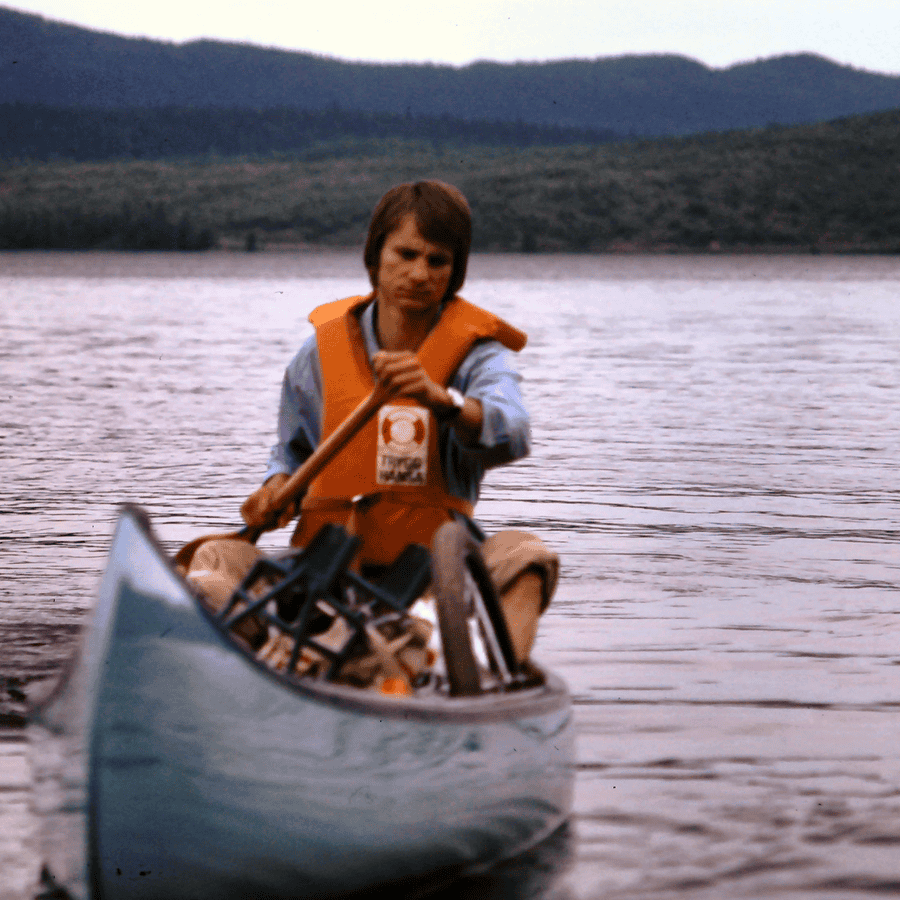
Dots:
{"x": 457, "y": 398}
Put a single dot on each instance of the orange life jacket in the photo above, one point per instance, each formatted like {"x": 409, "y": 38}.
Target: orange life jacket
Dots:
{"x": 387, "y": 484}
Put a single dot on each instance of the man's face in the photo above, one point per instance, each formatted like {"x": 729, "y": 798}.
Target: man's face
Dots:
{"x": 413, "y": 274}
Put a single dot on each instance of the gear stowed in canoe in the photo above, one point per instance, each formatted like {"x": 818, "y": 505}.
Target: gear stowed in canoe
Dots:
{"x": 176, "y": 761}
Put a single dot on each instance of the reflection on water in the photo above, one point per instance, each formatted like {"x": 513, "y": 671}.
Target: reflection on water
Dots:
{"x": 716, "y": 455}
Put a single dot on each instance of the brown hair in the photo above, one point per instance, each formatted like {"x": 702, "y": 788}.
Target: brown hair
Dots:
{"x": 442, "y": 215}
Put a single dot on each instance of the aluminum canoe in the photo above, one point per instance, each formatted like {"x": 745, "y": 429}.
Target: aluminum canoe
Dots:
{"x": 169, "y": 764}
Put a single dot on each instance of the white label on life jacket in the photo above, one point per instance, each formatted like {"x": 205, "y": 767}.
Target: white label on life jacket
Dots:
{"x": 402, "y": 445}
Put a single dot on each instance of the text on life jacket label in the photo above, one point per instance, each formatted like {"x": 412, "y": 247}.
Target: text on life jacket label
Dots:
{"x": 402, "y": 445}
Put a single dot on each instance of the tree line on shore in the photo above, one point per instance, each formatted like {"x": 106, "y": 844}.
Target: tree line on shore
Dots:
{"x": 817, "y": 188}
{"x": 149, "y": 228}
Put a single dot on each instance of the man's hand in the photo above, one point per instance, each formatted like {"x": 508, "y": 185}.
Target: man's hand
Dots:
{"x": 402, "y": 375}
{"x": 259, "y": 508}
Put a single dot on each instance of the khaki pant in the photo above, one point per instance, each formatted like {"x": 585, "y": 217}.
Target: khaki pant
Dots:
{"x": 508, "y": 554}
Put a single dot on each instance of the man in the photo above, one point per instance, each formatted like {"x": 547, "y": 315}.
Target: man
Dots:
{"x": 454, "y": 407}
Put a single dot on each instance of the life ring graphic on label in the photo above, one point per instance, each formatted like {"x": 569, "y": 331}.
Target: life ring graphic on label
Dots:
{"x": 402, "y": 457}
{"x": 403, "y": 429}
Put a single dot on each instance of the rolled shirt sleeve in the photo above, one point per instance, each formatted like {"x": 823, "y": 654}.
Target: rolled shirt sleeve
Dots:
{"x": 487, "y": 374}
{"x": 299, "y": 413}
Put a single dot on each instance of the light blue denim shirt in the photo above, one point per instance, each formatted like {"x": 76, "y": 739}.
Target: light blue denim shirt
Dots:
{"x": 486, "y": 374}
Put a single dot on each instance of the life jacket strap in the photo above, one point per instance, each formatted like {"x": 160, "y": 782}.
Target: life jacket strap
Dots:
{"x": 363, "y": 502}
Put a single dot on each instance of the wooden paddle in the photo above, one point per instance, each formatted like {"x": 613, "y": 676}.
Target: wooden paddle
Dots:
{"x": 300, "y": 480}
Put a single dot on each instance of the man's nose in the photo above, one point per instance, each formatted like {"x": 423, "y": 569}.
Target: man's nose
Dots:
{"x": 420, "y": 269}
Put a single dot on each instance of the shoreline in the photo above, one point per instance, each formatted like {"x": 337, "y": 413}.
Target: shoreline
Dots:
{"x": 279, "y": 247}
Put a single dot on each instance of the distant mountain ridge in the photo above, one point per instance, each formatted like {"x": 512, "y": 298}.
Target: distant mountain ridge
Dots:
{"x": 58, "y": 65}
{"x": 37, "y": 132}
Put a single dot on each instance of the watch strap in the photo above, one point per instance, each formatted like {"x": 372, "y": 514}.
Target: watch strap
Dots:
{"x": 459, "y": 401}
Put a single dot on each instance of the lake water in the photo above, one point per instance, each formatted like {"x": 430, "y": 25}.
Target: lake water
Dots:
{"x": 715, "y": 456}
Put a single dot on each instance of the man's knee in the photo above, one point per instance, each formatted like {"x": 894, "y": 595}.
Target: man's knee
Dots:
{"x": 511, "y": 554}
{"x": 216, "y": 569}
{"x": 524, "y": 571}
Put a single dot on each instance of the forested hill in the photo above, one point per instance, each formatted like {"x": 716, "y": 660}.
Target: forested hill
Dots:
{"x": 57, "y": 65}
{"x": 811, "y": 188}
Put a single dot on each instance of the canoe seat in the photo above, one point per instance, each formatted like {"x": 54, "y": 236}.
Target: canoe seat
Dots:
{"x": 302, "y": 594}
{"x": 313, "y": 573}
{"x": 403, "y": 582}
{"x": 295, "y": 582}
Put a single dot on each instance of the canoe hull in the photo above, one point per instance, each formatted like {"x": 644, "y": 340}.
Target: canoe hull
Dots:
{"x": 206, "y": 776}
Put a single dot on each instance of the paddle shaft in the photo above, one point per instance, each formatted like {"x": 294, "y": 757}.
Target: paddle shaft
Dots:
{"x": 302, "y": 477}
{"x": 328, "y": 449}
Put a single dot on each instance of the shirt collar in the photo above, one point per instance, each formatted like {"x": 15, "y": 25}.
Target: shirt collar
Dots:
{"x": 367, "y": 323}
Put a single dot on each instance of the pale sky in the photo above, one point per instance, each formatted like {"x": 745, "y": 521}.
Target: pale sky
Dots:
{"x": 861, "y": 33}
